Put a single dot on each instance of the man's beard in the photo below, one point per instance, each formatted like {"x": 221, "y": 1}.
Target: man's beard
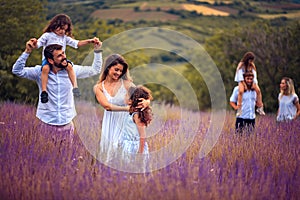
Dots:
{"x": 60, "y": 65}
{"x": 249, "y": 86}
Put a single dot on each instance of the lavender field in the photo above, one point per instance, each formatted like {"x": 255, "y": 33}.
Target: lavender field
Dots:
{"x": 34, "y": 164}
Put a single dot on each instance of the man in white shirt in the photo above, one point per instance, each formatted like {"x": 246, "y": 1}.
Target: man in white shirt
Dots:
{"x": 60, "y": 110}
{"x": 247, "y": 119}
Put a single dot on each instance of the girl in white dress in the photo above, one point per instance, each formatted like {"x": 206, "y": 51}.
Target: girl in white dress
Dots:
{"x": 247, "y": 65}
{"x": 289, "y": 108}
{"x": 112, "y": 94}
{"x": 133, "y": 138}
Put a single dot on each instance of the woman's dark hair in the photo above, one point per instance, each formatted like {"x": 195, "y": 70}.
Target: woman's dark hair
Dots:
{"x": 113, "y": 60}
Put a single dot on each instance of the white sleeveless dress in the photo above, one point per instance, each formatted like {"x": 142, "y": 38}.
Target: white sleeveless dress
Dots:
{"x": 112, "y": 124}
{"x": 130, "y": 143}
{"x": 130, "y": 138}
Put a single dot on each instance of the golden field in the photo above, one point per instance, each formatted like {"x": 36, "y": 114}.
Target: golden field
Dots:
{"x": 204, "y": 10}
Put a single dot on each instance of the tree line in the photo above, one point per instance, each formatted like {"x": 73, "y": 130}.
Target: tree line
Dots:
{"x": 275, "y": 43}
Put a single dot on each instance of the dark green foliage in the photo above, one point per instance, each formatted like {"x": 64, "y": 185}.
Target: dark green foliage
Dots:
{"x": 277, "y": 52}
{"x": 20, "y": 20}
{"x": 275, "y": 42}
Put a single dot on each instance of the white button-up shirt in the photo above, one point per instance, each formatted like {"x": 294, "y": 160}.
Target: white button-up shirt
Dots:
{"x": 248, "y": 102}
{"x": 60, "y": 109}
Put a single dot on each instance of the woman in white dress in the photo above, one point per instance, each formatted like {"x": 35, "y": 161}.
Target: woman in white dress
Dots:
{"x": 289, "y": 108}
{"x": 112, "y": 94}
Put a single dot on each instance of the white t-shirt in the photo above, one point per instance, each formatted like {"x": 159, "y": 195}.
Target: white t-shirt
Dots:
{"x": 287, "y": 108}
{"x": 52, "y": 38}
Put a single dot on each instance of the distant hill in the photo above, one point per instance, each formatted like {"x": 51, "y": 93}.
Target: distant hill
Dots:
{"x": 162, "y": 11}
{"x": 128, "y": 14}
{"x": 171, "y": 9}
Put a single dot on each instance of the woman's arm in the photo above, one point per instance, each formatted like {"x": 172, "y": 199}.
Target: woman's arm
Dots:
{"x": 296, "y": 103}
{"x": 101, "y": 98}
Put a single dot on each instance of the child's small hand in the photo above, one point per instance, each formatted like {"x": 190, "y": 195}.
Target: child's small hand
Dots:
{"x": 97, "y": 43}
{"x": 95, "y": 40}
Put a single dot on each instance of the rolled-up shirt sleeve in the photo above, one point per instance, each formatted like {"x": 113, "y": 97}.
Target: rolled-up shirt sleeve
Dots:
{"x": 88, "y": 71}
{"x": 20, "y": 70}
{"x": 234, "y": 95}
